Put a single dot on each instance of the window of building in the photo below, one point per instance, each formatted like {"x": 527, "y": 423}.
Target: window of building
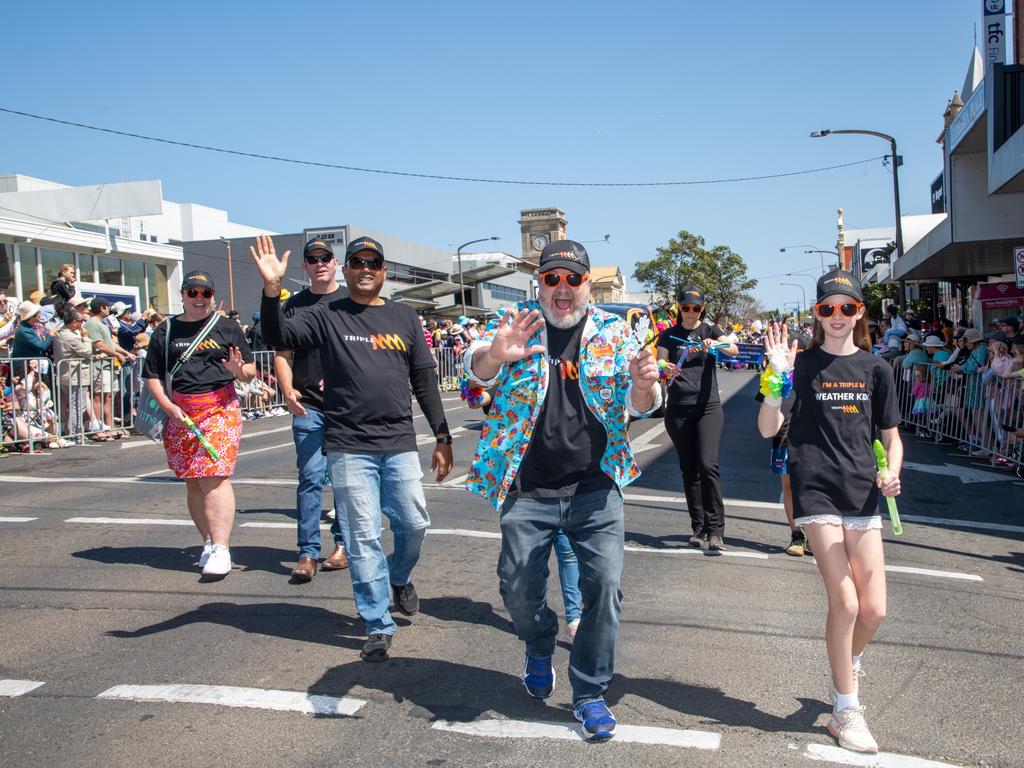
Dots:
{"x": 27, "y": 268}
{"x": 86, "y": 268}
{"x": 52, "y": 260}
{"x": 405, "y": 273}
{"x": 7, "y": 270}
{"x": 504, "y": 292}
{"x": 158, "y": 295}
{"x": 109, "y": 269}
{"x": 135, "y": 276}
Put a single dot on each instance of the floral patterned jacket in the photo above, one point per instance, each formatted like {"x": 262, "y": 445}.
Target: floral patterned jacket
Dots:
{"x": 606, "y": 348}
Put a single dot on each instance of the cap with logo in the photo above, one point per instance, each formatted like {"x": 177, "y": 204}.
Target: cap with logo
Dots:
{"x": 364, "y": 244}
{"x": 564, "y": 254}
{"x": 197, "y": 278}
{"x": 691, "y": 294}
{"x": 316, "y": 244}
{"x": 840, "y": 281}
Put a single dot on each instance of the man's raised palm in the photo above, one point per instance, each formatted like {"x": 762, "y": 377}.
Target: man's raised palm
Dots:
{"x": 271, "y": 268}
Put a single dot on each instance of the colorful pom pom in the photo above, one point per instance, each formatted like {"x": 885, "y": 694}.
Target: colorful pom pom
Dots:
{"x": 473, "y": 396}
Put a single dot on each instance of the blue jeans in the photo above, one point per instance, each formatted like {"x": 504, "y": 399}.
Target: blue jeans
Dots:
{"x": 593, "y": 522}
{"x": 308, "y": 433}
{"x": 568, "y": 576}
{"x": 365, "y": 485}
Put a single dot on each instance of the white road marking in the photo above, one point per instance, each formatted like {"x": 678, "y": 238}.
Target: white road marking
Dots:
{"x": 145, "y": 443}
{"x": 17, "y": 519}
{"x": 831, "y": 754}
{"x": 272, "y": 525}
{"x": 424, "y": 439}
{"x": 463, "y": 532}
{"x": 695, "y": 551}
{"x": 13, "y": 688}
{"x": 635, "y": 734}
{"x": 140, "y": 479}
{"x": 642, "y": 443}
{"x": 963, "y": 474}
{"x": 289, "y": 444}
{"x": 456, "y": 482}
{"x": 231, "y": 696}
{"x": 930, "y": 572}
{"x": 963, "y": 523}
{"x": 127, "y": 521}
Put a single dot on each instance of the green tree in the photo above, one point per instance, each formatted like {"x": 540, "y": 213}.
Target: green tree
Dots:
{"x": 719, "y": 272}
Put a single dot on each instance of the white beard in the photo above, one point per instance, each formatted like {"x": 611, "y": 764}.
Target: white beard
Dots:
{"x": 571, "y": 320}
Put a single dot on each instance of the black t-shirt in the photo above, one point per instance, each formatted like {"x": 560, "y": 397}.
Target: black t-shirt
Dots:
{"x": 696, "y": 383}
{"x": 367, "y": 353}
{"x": 205, "y": 371}
{"x": 841, "y": 403}
{"x": 564, "y": 455}
{"x": 307, "y": 371}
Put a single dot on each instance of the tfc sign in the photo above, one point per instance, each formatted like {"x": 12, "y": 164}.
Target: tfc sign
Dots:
{"x": 994, "y": 29}
{"x": 1018, "y": 266}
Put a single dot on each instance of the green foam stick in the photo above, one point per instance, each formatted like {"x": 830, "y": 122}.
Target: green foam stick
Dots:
{"x": 201, "y": 438}
{"x": 883, "y": 469}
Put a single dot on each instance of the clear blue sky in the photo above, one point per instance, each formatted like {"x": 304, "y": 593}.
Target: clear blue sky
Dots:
{"x": 583, "y": 91}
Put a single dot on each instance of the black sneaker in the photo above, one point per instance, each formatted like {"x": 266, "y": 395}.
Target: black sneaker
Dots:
{"x": 406, "y": 599}
{"x": 376, "y": 647}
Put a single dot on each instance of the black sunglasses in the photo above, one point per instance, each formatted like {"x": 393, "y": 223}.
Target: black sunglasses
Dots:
{"x": 358, "y": 262}
{"x": 193, "y": 292}
{"x": 322, "y": 258}
{"x": 552, "y": 280}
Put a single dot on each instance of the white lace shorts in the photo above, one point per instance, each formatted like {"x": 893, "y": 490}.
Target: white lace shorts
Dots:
{"x": 860, "y": 523}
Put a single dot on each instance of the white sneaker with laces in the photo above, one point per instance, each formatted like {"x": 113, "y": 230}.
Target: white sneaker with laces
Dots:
{"x": 850, "y": 729}
{"x": 207, "y": 548}
{"x": 219, "y": 562}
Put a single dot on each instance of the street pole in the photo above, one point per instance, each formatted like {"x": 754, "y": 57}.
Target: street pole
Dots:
{"x": 802, "y": 293}
{"x": 458, "y": 253}
{"x": 231, "y": 277}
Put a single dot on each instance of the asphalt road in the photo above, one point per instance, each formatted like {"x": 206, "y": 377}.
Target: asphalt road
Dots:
{"x": 721, "y": 660}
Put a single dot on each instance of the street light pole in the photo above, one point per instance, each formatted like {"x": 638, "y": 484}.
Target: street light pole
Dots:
{"x": 819, "y": 252}
{"x": 802, "y": 293}
{"x": 458, "y": 253}
{"x": 231, "y": 279}
{"x": 806, "y": 245}
{"x": 895, "y": 188}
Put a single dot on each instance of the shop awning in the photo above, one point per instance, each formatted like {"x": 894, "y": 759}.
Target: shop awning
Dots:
{"x": 485, "y": 272}
{"x": 431, "y": 289}
{"x": 420, "y": 305}
{"x": 937, "y": 257}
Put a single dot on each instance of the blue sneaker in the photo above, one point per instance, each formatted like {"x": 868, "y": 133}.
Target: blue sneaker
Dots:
{"x": 538, "y": 676}
{"x": 598, "y": 721}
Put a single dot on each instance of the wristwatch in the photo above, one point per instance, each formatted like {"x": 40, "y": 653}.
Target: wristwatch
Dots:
{"x": 444, "y": 439}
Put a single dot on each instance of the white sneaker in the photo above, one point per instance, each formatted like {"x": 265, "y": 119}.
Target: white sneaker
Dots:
{"x": 219, "y": 562}
{"x": 851, "y": 730}
{"x": 207, "y": 548}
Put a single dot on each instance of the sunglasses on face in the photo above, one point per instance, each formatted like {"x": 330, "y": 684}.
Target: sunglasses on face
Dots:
{"x": 551, "y": 280}
{"x": 206, "y": 293}
{"x": 319, "y": 258}
{"x": 848, "y": 309}
{"x": 691, "y": 308}
{"x": 358, "y": 262}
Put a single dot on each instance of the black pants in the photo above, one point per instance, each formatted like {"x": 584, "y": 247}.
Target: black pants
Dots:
{"x": 696, "y": 432}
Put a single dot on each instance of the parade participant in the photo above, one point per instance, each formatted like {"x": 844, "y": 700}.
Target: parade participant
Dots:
{"x": 202, "y": 390}
{"x": 371, "y": 351}
{"x": 694, "y": 418}
{"x": 843, "y": 396}
{"x": 300, "y": 374}
{"x": 553, "y": 455}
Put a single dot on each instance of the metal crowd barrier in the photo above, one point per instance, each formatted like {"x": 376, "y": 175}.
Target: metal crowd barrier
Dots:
{"x": 449, "y": 368}
{"x": 262, "y": 395}
{"x": 981, "y": 412}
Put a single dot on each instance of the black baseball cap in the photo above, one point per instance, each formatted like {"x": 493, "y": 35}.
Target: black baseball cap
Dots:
{"x": 316, "y": 244}
{"x": 564, "y": 254}
{"x": 197, "y": 278}
{"x": 840, "y": 281}
{"x": 1013, "y": 322}
{"x": 98, "y": 303}
{"x": 364, "y": 244}
{"x": 691, "y": 294}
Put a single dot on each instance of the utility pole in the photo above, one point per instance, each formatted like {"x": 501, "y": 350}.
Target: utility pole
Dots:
{"x": 231, "y": 278}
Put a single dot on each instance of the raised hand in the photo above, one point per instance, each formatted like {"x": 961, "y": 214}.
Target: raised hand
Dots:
{"x": 512, "y": 338}
{"x": 271, "y": 268}
{"x": 234, "y": 362}
{"x": 778, "y": 347}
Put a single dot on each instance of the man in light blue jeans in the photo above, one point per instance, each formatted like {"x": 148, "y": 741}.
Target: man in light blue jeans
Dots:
{"x": 365, "y": 486}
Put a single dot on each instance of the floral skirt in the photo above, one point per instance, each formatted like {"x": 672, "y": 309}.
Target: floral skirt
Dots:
{"x": 219, "y": 418}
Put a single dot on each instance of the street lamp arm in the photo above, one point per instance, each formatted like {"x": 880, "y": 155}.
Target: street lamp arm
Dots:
{"x": 458, "y": 254}
{"x": 827, "y": 132}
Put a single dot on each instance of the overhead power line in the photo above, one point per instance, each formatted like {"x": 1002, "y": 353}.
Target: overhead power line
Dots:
{"x": 438, "y": 177}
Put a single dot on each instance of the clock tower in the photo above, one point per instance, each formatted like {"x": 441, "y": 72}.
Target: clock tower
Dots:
{"x": 539, "y": 227}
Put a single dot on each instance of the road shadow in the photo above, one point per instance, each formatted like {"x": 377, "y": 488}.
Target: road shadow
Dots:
{"x": 443, "y": 690}
{"x": 465, "y": 610}
{"x": 288, "y": 621}
{"x": 185, "y": 559}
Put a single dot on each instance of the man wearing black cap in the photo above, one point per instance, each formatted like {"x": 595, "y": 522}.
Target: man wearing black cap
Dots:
{"x": 300, "y": 374}
{"x": 553, "y": 455}
{"x": 371, "y": 351}
{"x": 103, "y": 344}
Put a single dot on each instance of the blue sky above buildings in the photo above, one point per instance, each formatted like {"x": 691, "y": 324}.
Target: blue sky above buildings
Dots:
{"x": 582, "y": 91}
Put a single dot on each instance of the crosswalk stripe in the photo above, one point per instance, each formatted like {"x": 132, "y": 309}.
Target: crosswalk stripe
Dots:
{"x": 636, "y": 734}
{"x": 232, "y": 696}
{"x": 831, "y": 754}
{"x": 12, "y": 688}
{"x": 128, "y": 521}
{"x": 17, "y": 519}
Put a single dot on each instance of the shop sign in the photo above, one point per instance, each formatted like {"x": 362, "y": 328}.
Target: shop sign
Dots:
{"x": 1018, "y": 266}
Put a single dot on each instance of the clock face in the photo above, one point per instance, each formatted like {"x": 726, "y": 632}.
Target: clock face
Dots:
{"x": 540, "y": 241}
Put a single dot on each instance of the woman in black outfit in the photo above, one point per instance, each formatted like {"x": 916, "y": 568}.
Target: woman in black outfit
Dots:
{"x": 693, "y": 418}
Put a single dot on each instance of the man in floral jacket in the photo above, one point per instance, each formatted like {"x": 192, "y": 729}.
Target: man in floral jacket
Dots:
{"x": 554, "y": 455}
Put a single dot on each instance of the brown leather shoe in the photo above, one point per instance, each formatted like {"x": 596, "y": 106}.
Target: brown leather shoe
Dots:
{"x": 338, "y": 561}
{"x": 305, "y": 570}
